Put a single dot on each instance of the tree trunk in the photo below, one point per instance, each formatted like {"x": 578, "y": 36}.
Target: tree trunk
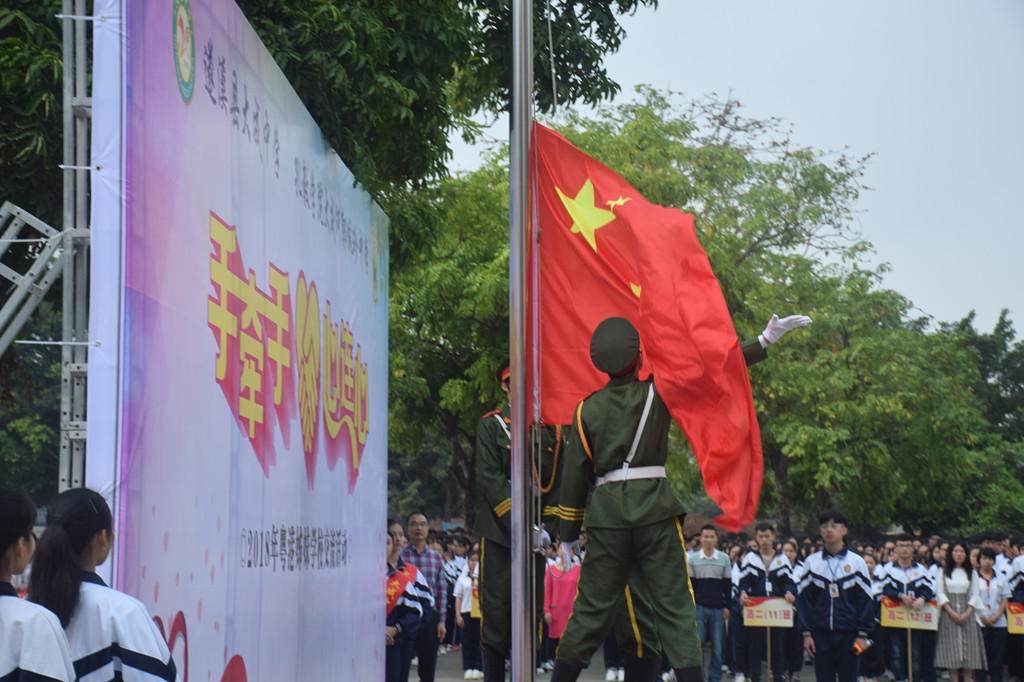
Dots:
{"x": 779, "y": 464}
{"x": 463, "y": 468}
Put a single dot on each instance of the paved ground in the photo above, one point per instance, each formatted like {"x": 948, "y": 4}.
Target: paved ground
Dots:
{"x": 449, "y": 669}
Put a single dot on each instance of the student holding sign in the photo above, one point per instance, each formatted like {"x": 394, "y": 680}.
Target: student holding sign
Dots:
{"x": 764, "y": 572}
{"x": 908, "y": 582}
{"x": 834, "y": 607}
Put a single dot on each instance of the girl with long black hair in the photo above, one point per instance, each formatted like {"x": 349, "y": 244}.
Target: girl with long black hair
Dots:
{"x": 111, "y": 634}
{"x": 32, "y": 643}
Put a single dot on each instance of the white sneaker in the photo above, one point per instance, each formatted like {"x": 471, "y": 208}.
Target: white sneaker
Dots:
{"x": 739, "y": 677}
{"x": 469, "y": 675}
{"x": 415, "y": 661}
{"x": 479, "y": 674}
{"x": 541, "y": 670}
{"x": 611, "y": 675}
{"x": 621, "y": 675}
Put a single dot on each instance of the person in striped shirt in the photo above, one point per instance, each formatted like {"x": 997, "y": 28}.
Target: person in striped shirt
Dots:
{"x": 711, "y": 578}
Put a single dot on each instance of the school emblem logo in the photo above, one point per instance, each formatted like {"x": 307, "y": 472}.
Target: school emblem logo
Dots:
{"x": 184, "y": 49}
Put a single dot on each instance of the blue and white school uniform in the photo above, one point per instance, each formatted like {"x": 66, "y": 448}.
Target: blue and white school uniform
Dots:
{"x": 112, "y": 637}
{"x": 32, "y": 642}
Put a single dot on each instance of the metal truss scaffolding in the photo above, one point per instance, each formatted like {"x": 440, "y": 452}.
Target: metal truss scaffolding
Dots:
{"x": 60, "y": 252}
{"x": 76, "y": 24}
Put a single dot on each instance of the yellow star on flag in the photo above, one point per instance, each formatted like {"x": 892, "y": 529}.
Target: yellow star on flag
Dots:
{"x": 586, "y": 216}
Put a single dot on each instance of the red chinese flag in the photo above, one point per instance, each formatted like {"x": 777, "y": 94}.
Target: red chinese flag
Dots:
{"x": 601, "y": 250}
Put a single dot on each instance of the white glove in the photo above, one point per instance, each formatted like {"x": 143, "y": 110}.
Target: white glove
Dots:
{"x": 566, "y": 556}
{"x": 541, "y": 540}
{"x": 777, "y": 328}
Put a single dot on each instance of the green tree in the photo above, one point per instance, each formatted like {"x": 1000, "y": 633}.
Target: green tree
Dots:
{"x": 30, "y": 107}
{"x": 389, "y": 82}
{"x": 30, "y": 410}
{"x": 449, "y": 333}
{"x": 1001, "y": 363}
{"x": 864, "y": 413}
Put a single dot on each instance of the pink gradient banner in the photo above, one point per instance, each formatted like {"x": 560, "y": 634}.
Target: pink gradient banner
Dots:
{"x": 238, "y": 391}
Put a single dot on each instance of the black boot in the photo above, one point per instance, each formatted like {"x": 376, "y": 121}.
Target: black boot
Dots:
{"x": 564, "y": 672}
{"x": 642, "y": 669}
{"x": 494, "y": 665}
{"x": 693, "y": 674}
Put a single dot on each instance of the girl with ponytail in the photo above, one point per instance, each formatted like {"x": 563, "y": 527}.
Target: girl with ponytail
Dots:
{"x": 32, "y": 643}
{"x": 111, "y": 634}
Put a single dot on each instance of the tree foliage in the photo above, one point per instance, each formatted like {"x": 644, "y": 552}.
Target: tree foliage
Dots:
{"x": 30, "y": 410}
{"x": 449, "y": 333}
{"x": 30, "y": 107}
{"x": 389, "y": 82}
{"x": 1000, "y": 385}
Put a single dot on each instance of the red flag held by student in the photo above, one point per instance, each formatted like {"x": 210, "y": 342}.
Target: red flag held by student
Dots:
{"x": 600, "y": 250}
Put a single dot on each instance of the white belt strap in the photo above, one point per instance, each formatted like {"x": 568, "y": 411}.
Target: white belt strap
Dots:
{"x": 504, "y": 426}
{"x": 640, "y": 472}
{"x": 631, "y": 474}
{"x": 640, "y": 428}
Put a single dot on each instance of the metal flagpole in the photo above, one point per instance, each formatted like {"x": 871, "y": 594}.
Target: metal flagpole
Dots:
{"x": 522, "y": 579}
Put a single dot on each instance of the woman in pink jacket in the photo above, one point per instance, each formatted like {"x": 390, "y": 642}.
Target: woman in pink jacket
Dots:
{"x": 559, "y": 592}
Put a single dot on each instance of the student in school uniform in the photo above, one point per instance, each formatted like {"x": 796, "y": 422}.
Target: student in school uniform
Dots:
{"x": 994, "y": 594}
{"x": 407, "y": 598}
{"x": 467, "y": 615}
{"x": 32, "y": 643}
{"x": 765, "y": 572}
{"x": 111, "y": 634}
{"x": 835, "y": 610}
{"x": 909, "y": 583}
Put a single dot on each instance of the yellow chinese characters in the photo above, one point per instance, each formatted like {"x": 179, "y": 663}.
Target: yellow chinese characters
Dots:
{"x": 346, "y": 386}
{"x": 253, "y": 329}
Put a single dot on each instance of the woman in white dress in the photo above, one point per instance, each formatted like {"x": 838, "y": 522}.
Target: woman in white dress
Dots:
{"x": 960, "y": 648}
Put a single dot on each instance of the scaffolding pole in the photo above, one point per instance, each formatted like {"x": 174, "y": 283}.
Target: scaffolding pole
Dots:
{"x": 77, "y": 111}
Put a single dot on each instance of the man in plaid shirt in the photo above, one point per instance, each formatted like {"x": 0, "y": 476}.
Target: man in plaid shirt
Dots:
{"x": 431, "y": 565}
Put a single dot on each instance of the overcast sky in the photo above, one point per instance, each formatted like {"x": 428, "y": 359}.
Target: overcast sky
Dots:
{"x": 934, "y": 88}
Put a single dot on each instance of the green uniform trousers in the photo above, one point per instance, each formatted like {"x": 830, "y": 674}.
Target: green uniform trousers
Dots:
{"x": 658, "y": 553}
{"x": 495, "y": 591}
{"x": 634, "y": 621}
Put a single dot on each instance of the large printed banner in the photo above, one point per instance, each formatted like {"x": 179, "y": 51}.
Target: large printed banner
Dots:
{"x": 238, "y": 377}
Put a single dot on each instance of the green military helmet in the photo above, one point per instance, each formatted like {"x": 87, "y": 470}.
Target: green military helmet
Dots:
{"x": 615, "y": 345}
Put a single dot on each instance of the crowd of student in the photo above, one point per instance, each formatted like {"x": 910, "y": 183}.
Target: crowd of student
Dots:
{"x": 72, "y": 626}
{"x": 970, "y": 582}
{"x": 415, "y": 600}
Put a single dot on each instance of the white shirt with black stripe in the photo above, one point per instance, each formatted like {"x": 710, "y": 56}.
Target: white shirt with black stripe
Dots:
{"x": 112, "y": 637}
{"x": 32, "y": 643}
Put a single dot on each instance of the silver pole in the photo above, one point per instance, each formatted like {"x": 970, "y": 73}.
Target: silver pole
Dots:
{"x": 68, "y": 248}
{"x": 523, "y": 608}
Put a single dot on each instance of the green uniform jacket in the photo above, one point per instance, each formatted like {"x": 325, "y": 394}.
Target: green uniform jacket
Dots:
{"x": 493, "y": 477}
{"x": 598, "y": 445}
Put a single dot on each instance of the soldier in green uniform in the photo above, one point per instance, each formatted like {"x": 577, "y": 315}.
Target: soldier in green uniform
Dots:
{"x": 619, "y": 443}
{"x": 493, "y": 523}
